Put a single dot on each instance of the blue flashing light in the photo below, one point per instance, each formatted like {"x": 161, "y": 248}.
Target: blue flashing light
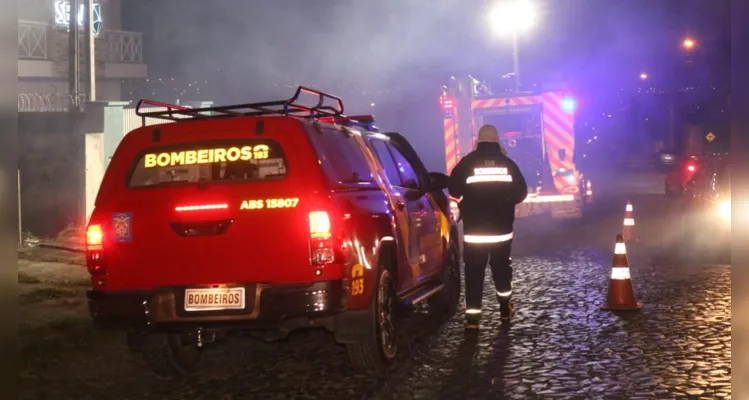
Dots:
{"x": 568, "y": 104}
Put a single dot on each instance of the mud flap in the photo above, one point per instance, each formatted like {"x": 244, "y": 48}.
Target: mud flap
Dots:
{"x": 353, "y": 326}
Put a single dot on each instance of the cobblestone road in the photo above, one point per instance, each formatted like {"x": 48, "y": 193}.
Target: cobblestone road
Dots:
{"x": 560, "y": 345}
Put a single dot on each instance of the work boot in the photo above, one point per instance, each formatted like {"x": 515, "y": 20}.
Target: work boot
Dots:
{"x": 472, "y": 321}
{"x": 506, "y": 308}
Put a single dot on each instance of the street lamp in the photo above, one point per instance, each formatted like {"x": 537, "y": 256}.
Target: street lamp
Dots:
{"x": 513, "y": 17}
{"x": 688, "y": 44}
{"x": 643, "y": 76}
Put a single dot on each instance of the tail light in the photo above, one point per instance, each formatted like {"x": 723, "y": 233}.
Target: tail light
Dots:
{"x": 321, "y": 242}
{"x": 691, "y": 167}
{"x": 319, "y": 225}
{"x": 202, "y": 207}
{"x": 95, "y": 262}
{"x": 94, "y": 237}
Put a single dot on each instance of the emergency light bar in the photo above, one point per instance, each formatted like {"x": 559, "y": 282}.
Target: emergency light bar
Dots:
{"x": 568, "y": 104}
{"x": 448, "y": 104}
{"x": 362, "y": 121}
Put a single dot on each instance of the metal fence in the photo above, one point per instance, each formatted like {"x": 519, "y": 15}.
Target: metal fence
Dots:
{"x": 49, "y": 102}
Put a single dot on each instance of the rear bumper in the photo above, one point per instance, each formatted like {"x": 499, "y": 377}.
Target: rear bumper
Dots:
{"x": 559, "y": 206}
{"x": 268, "y": 307}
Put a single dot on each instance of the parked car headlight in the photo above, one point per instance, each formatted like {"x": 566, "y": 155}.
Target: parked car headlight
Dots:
{"x": 724, "y": 210}
{"x": 667, "y": 159}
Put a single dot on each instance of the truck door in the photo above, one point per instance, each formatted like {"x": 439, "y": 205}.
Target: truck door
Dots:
{"x": 410, "y": 241}
{"x": 425, "y": 215}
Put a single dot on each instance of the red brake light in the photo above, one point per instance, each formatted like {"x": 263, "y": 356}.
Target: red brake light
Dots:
{"x": 691, "y": 168}
{"x": 319, "y": 225}
{"x": 203, "y": 207}
{"x": 365, "y": 119}
{"x": 94, "y": 237}
{"x": 95, "y": 262}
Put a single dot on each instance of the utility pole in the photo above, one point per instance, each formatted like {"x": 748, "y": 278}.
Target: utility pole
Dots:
{"x": 516, "y": 61}
{"x": 74, "y": 55}
{"x": 90, "y": 49}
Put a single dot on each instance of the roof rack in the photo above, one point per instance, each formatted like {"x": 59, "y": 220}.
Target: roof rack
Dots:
{"x": 288, "y": 107}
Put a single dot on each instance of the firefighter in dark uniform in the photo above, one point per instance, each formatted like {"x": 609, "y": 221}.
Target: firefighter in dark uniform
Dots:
{"x": 489, "y": 185}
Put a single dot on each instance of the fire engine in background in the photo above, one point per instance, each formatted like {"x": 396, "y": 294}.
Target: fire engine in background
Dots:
{"x": 536, "y": 129}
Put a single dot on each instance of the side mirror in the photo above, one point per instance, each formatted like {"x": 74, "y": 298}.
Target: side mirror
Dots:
{"x": 562, "y": 153}
{"x": 413, "y": 194}
{"x": 411, "y": 184}
{"x": 438, "y": 180}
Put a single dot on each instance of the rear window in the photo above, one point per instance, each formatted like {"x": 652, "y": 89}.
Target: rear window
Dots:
{"x": 342, "y": 158}
{"x": 216, "y": 161}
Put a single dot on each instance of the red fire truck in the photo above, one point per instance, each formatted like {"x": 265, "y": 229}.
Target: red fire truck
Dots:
{"x": 536, "y": 129}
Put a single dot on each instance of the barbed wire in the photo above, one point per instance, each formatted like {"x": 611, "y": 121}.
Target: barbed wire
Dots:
{"x": 49, "y": 102}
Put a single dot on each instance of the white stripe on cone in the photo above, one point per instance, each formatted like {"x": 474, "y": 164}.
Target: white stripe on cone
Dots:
{"x": 620, "y": 273}
{"x": 620, "y": 248}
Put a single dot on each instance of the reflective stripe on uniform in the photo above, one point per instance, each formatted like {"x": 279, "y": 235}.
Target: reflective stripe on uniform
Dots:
{"x": 504, "y": 294}
{"x": 490, "y": 174}
{"x": 487, "y": 238}
{"x": 473, "y": 311}
{"x": 489, "y": 178}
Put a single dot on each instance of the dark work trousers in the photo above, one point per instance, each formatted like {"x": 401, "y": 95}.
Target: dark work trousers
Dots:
{"x": 475, "y": 256}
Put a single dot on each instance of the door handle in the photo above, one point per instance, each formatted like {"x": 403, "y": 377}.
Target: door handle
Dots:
{"x": 400, "y": 205}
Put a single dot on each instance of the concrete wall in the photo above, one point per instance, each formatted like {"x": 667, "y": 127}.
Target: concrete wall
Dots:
{"x": 51, "y": 164}
{"x": 63, "y": 157}
{"x": 96, "y": 165}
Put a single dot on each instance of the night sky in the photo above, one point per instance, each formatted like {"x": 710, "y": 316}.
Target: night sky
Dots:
{"x": 370, "y": 43}
{"x": 397, "y": 53}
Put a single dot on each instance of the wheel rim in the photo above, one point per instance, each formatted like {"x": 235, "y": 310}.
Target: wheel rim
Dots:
{"x": 385, "y": 308}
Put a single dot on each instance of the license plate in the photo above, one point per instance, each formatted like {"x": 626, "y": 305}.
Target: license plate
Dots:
{"x": 214, "y": 299}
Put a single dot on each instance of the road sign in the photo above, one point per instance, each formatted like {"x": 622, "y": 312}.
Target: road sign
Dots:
{"x": 710, "y": 137}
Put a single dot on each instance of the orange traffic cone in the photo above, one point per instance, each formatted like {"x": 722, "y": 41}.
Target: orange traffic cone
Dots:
{"x": 621, "y": 296}
{"x": 628, "y": 229}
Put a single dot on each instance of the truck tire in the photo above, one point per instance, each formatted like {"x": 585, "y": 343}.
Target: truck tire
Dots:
{"x": 444, "y": 303}
{"x": 379, "y": 349}
{"x": 168, "y": 356}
